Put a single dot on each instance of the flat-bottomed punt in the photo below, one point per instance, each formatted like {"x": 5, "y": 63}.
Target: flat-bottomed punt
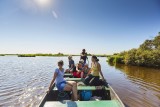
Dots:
{"x": 108, "y": 97}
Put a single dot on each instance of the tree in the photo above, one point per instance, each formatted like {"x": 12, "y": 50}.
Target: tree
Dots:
{"x": 148, "y": 54}
{"x": 156, "y": 42}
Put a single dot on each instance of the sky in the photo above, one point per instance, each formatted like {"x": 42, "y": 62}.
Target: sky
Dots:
{"x": 68, "y": 26}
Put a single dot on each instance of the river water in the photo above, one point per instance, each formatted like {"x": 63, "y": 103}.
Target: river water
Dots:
{"x": 24, "y": 81}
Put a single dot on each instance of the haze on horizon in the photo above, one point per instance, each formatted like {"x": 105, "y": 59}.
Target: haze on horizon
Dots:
{"x": 68, "y": 26}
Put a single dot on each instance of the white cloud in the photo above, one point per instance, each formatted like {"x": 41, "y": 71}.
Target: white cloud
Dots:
{"x": 54, "y": 14}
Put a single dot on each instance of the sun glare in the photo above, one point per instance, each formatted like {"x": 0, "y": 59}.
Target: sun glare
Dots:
{"x": 43, "y": 3}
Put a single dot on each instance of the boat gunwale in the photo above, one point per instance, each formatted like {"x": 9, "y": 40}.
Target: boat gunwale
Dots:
{"x": 119, "y": 100}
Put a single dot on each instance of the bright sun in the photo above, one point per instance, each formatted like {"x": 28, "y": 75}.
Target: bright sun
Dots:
{"x": 43, "y": 3}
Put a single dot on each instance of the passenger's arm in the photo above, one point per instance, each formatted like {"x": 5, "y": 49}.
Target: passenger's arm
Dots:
{"x": 81, "y": 56}
{"x": 54, "y": 77}
{"x": 77, "y": 68}
{"x": 89, "y": 71}
{"x": 72, "y": 65}
{"x": 86, "y": 56}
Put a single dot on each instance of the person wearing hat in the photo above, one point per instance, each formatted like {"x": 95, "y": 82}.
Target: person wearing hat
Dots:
{"x": 84, "y": 56}
{"x": 71, "y": 65}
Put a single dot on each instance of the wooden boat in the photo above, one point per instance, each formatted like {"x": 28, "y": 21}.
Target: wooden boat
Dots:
{"x": 108, "y": 97}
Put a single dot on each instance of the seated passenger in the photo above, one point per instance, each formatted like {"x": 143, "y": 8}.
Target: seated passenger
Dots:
{"x": 79, "y": 70}
{"x": 60, "y": 82}
{"x": 82, "y": 62}
{"x": 71, "y": 65}
{"x": 93, "y": 78}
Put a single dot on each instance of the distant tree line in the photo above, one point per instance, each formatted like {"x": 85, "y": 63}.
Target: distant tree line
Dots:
{"x": 34, "y": 55}
{"x": 148, "y": 54}
{"x": 2, "y": 55}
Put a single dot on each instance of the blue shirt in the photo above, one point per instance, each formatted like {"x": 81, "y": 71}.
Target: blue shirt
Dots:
{"x": 70, "y": 63}
{"x": 60, "y": 76}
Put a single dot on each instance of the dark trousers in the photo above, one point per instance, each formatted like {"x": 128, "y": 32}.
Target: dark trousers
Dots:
{"x": 91, "y": 80}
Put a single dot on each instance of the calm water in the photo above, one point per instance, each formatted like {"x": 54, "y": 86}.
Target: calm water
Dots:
{"x": 23, "y": 81}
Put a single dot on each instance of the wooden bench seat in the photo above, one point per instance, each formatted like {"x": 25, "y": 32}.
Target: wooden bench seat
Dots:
{"x": 110, "y": 103}
{"x": 88, "y": 88}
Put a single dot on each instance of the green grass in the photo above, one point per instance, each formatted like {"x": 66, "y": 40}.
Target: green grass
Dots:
{"x": 52, "y": 55}
{"x": 2, "y": 55}
{"x": 34, "y": 55}
{"x": 26, "y": 55}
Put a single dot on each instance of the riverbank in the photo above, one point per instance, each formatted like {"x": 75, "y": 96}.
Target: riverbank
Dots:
{"x": 148, "y": 55}
{"x": 34, "y": 55}
{"x": 51, "y": 55}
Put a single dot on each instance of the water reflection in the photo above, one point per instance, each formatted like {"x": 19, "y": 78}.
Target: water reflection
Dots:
{"x": 148, "y": 75}
{"x": 140, "y": 86}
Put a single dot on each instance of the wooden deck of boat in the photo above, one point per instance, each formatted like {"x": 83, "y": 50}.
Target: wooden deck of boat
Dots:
{"x": 111, "y": 103}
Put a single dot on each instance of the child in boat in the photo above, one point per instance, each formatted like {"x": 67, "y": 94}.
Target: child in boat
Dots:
{"x": 71, "y": 65}
{"x": 86, "y": 70}
{"x": 60, "y": 82}
{"x": 79, "y": 70}
{"x": 93, "y": 78}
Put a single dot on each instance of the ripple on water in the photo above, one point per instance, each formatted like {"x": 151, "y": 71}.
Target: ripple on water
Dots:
{"x": 24, "y": 81}
{"x": 139, "y": 86}
{"x": 31, "y": 96}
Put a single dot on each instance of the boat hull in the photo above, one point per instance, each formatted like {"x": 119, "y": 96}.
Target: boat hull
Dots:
{"x": 109, "y": 97}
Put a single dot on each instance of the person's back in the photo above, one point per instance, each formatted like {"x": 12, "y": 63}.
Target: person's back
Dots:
{"x": 94, "y": 69}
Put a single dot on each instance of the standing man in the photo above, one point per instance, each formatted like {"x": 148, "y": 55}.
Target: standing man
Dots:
{"x": 84, "y": 56}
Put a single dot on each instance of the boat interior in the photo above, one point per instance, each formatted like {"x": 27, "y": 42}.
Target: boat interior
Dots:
{"x": 56, "y": 98}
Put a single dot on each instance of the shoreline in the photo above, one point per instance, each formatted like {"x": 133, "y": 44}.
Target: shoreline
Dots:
{"x": 116, "y": 59}
{"x": 49, "y": 55}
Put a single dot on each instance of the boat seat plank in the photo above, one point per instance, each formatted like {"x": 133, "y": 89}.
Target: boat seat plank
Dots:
{"x": 90, "y": 88}
{"x": 68, "y": 75}
{"x": 112, "y": 103}
{"x": 86, "y": 88}
{"x": 73, "y": 79}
